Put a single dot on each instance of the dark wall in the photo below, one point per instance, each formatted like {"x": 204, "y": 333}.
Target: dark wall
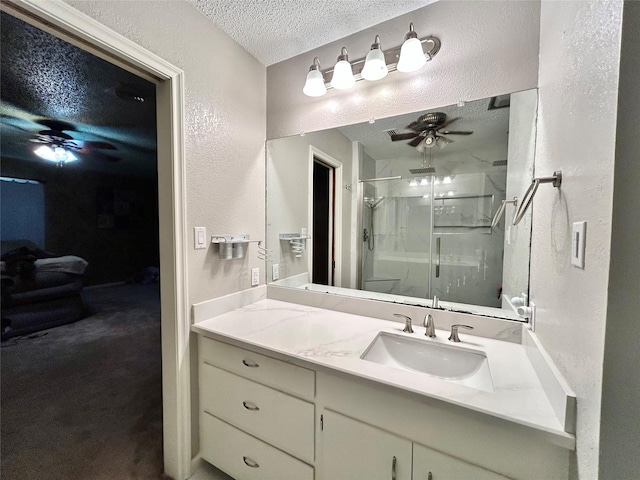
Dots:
{"x": 128, "y": 239}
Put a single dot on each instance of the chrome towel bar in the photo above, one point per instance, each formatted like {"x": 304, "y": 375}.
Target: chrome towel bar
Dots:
{"x": 555, "y": 179}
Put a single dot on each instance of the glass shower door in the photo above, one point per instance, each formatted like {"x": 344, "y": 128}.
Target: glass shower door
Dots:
{"x": 396, "y": 238}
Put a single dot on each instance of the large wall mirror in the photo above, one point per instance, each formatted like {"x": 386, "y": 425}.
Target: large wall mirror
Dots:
{"x": 408, "y": 208}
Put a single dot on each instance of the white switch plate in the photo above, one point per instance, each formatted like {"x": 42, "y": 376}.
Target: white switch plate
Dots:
{"x": 275, "y": 272}
{"x": 199, "y": 237}
{"x": 578, "y": 240}
{"x": 255, "y": 277}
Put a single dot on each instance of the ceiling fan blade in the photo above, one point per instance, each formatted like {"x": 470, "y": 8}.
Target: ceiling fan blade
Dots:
{"x": 56, "y": 125}
{"x": 403, "y": 136}
{"x": 416, "y": 141}
{"x": 55, "y": 133}
{"x": 97, "y": 145}
{"x": 447, "y": 123}
{"x": 448, "y": 132}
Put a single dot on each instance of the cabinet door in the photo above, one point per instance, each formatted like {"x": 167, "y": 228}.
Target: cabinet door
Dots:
{"x": 356, "y": 451}
{"x": 431, "y": 465}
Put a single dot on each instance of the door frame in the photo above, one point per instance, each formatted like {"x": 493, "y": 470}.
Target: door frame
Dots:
{"x": 64, "y": 21}
{"x": 337, "y": 211}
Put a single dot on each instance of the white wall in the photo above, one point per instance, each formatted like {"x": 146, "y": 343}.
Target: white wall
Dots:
{"x": 225, "y": 123}
{"x": 288, "y": 190}
{"x": 488, "y": 48}
{"x": 578, "y": 85}
{"x": 620, "y": 422}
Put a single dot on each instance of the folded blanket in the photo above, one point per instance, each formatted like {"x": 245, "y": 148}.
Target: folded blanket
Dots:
{"x": 66, "y": 264}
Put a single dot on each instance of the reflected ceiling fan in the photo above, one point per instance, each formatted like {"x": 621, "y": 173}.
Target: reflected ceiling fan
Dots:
{"x": 59, "y": 146}
{"x": 428, "y": 131}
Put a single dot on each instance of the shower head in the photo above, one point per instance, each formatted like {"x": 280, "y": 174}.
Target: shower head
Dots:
{"x": 373, "y": 202}
{"x": 423, "y": 171}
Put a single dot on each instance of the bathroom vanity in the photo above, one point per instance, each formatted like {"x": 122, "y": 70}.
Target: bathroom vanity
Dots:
{"x": 290, "y": 391}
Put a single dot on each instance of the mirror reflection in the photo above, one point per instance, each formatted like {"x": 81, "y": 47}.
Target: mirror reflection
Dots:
{"x": 414, "y": 209}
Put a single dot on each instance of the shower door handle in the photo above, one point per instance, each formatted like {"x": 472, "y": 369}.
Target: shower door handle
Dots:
{"x": 438, "y": 257}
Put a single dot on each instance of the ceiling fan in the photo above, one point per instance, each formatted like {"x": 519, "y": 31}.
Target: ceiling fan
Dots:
{"x": 428, "y": 131}
{"x": 59, "y": 146}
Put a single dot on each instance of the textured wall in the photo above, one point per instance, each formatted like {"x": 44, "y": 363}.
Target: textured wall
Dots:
{"x": 578, "y": 86}
{"x": 619, "y": 437}
{"x": 225, "y": 124}
{"x": 488, "y": 48}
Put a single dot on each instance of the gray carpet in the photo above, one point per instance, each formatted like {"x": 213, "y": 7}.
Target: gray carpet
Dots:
{"x": 83, "y": 401}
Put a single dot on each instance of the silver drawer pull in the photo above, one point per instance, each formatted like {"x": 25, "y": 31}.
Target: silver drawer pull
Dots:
{"x": 393, "y": 468}
{"x": 250, "y": 463}
{"x": 250, "y": 406}
{"x": 250, "y": 364}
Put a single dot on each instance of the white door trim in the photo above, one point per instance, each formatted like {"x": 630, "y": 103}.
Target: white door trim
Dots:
{"x": 337, "y": 215}
{"x": 66, "y": 22}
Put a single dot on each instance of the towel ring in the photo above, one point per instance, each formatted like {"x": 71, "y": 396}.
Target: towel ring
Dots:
{"x": 556, "y": 179}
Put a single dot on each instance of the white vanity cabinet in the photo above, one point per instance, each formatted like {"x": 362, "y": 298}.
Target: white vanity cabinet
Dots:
{"x": 356, "y": 451}
{"x": 431, "y": 465}
{"x": 256, "y": 420}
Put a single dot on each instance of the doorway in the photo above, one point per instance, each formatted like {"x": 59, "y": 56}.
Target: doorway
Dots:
{"x": 325, "y": 218}
{"x": 66, "y": 22}
{"x": 323, "y": 223}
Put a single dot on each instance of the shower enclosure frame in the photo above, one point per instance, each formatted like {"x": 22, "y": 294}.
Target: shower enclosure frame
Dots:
{"x": 361, "y": 243}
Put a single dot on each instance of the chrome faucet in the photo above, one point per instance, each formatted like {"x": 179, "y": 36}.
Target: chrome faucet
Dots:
{"x": 430, "y": 325}
{"x": 407, "y": 323}
{"x": 454, "y": 332}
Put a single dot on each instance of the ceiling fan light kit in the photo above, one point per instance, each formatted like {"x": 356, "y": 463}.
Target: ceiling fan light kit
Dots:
{"x": 408, "y": 57}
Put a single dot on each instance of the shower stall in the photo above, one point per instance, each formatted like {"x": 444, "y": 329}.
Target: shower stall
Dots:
{"x": 431, "y": 236}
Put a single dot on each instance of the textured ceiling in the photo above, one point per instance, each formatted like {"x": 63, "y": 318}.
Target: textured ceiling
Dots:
{"x": 275, "y": 30}
{"x": 45, "y": 78}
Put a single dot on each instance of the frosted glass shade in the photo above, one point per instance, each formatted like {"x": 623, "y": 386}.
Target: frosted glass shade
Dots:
{"x": 342, "y": 76}
{"x": 314, "y": 86}
{"x": 57, "y": 154}
{"x": 375, "y": 67}
{"x": 411, "y": 56}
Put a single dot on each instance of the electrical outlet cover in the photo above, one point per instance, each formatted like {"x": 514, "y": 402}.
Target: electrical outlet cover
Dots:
{"x": 275, "y": 272}
{"x": 255, "y": 277}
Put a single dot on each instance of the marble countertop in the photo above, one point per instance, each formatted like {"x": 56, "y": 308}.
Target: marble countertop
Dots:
{"x": 336, "y": 341}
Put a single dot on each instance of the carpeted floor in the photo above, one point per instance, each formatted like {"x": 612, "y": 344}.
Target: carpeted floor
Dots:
{"x": 83, "y": 401}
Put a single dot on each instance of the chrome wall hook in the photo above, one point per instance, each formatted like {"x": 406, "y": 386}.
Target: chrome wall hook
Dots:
{"x": 555, "y": 179}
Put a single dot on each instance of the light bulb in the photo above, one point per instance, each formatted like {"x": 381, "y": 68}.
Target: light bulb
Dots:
{"x": 314, "y": 86}
{"x": 411, "y": 54}
{"x": 375, "y": 66}
{"x": 342, "y": 72}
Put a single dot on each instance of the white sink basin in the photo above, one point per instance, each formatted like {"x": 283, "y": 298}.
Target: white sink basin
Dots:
{"x": 448, "y": 362}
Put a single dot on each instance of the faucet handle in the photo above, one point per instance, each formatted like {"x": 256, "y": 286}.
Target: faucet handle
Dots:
{"x": 454, "y": 332}
{"x": 407, "y": 323}
{"x": 430, "y": 326}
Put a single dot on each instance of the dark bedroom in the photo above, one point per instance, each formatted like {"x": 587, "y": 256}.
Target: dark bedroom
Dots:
{"x": 81, "y": 350}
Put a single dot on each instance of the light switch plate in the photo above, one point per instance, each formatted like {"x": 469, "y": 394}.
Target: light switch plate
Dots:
{"x": 199, "y": 237}
{"x": 275, "y": 272}
{"x": 578, "y": 240}
{"x": 255, "y": 277}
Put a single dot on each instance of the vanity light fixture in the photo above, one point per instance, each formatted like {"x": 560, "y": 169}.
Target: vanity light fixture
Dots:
{"x": 375, "y": 66}
{"x": 408, "y": 57}
{"x": 342, "y": 72}
{"x": 411, "y": 54}
{"x": 314, "y": 86}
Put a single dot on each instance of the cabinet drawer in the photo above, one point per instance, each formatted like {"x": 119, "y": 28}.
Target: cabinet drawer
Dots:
{"x": 275, "y": 417}
{"x": 281, "y": 375}
{"x": 245, "y": 457}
